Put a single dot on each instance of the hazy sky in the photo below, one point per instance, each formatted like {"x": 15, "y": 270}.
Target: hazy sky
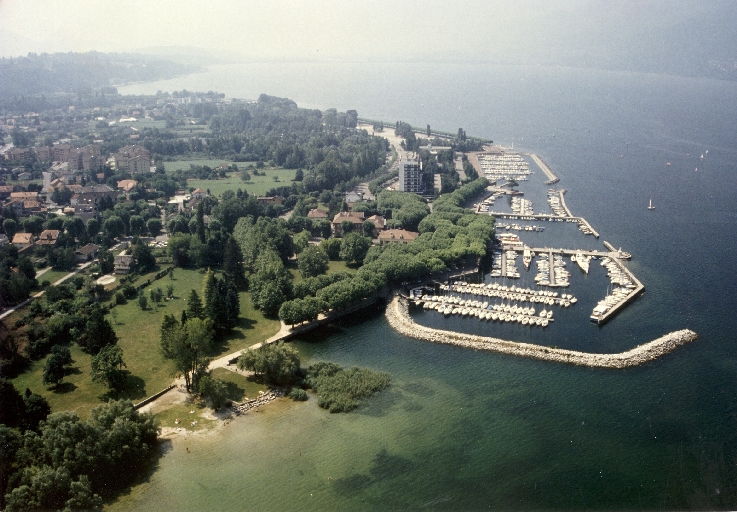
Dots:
{"x": 609, "y": 32}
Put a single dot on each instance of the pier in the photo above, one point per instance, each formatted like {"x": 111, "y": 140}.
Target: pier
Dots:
{"x": 546, "y": 217}
{"x": 552, "y": 178}
{"x": 398, "y": 316}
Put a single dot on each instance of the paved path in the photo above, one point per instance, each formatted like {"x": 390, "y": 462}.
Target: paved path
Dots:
{"x": 10, "y": 311}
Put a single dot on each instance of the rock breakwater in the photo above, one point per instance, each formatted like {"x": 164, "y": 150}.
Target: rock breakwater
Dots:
{"x": 265, "y": 398}
{"x": 397, "y": 314}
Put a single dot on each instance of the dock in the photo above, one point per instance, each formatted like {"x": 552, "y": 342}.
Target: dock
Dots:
{"x": 547, "y": 217}
{"x": 639, "y": 288}
{"x": 552, "y": 178}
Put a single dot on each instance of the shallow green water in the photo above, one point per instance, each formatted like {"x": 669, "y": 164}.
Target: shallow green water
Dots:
{"x": 457, "y": 429}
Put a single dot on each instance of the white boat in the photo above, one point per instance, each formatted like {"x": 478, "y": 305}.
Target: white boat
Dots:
{"x": 651, "y": 207}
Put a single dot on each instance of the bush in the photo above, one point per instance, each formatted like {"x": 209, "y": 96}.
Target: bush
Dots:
{"x": 343, "y": 390}
{"x": 45, "y": 283}
{"x": 298, "y": 394}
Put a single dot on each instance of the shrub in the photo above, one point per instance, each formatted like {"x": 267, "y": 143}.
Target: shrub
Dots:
{"x": 343, "y": 390}
{"x": 298, "y": 394}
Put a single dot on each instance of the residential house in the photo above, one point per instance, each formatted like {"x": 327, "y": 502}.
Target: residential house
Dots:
{"x": 354, "y": 217}
{"x": 87, "y": 253}
{"x": 397, "y": 236}
{"x": 48, "y": 237}
{"x": 5, "y": 191}
{"x": 23, "y": 240}
{"x": 264, "y": 200}
{"x": 123, "y": 264}
{"x": 317, "y": 213}
{"x": 30, "y": 207}
{"x": 91, "y": 195}
{"x": 25, "y": 196}
{"x": 199, "y": 193}
{"x": 379, "y": 224}
{"x": 126, "y": 186}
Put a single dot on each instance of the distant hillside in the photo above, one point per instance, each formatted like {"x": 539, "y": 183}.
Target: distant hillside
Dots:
{"x": 82, "y": 72}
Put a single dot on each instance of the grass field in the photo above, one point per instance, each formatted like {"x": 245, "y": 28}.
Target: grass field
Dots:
{"x": 138, "y": 333}
{"x": 183, "y": 165}
{"x": 257, "y": 185}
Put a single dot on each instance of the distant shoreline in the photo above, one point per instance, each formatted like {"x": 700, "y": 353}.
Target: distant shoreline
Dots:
{"x": 397, "y": 314}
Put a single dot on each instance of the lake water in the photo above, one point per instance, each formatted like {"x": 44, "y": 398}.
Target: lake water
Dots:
{"x": 461, "y": 429}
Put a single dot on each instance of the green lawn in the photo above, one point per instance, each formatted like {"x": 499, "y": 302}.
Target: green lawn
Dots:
{"x": 183, "y": 165}
{"x": 54, "y": 275}
{"x": 239, "y": 386}
{"x": 257, "y": 185}
{"x": 138, "y": 333}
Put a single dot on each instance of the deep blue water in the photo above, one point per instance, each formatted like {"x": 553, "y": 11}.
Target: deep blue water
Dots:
{"x": 536, "y": 434}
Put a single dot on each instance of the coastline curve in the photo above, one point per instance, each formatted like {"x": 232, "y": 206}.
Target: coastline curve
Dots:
{"x": 397, "y": 314}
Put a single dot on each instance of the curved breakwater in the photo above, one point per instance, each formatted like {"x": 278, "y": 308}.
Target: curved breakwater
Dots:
{"x": 397, "y": 314}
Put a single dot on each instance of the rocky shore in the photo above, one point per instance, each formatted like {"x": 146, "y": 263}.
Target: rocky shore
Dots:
{"x": 397, "y": 314}
{"x": 243, "y": 407}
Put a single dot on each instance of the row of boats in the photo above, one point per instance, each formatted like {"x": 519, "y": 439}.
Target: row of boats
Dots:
{"x": 557, "y": 276}
{"x": 512, "y": 293}
{"x": 508, "y": 166}
{"x": 621, "y": 292}
{"x": 522, "y": 206}
{"x": 519, "y": 227}
{"x": 486, "y": 311}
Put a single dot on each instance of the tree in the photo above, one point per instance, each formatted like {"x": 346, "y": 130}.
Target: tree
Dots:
{"x": 56, "y": 365}
{"x": 169, "y": 291}
{"x": 137, "y": 225}
{"x": 201, "y": 221}
{"x": 154, "y": 226}
{"x": 11, "y": 442}
{"x": 194, "y": 306}
{"x": 10, "y": 227}
{"x": 97, "y": 333}
{"x": 233, "y": 263}
{"x": 114, "y": 226}
{"x": 93, "y": 227}
{"x": 331, "y": 246}
{"x": 107, "y": 261}
{"x": 312, "y": 262}
{"x": 299, "y": 175}
{"x": 12, "y": 407}
{"x": 301, "y": 240}
{"x": 346, "y": 227}
{"x": 368, "y": 228}
{"x": 214, "y": 390}
{"x": 142, "y": 301}
{"x": 278, "y": 363}
{"x": 107, "y": 367}
{"x": 187, "y": 345}
{"x": 37, "y": 408}
{"x": 354, "y": 247}
{"x": 33, "y": 224}
{"x": 143, "y": 257}
{"x": 74, "y": 226}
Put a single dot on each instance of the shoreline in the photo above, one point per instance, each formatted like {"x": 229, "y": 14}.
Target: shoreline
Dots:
{"x": 397, "y": 314}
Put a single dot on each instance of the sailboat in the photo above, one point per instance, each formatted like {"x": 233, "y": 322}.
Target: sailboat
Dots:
{"x": 651, "y": 207}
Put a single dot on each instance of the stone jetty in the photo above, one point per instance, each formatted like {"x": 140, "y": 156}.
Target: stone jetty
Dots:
{"x": 397, "y": 314}
{"x": 263, "y": 399}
